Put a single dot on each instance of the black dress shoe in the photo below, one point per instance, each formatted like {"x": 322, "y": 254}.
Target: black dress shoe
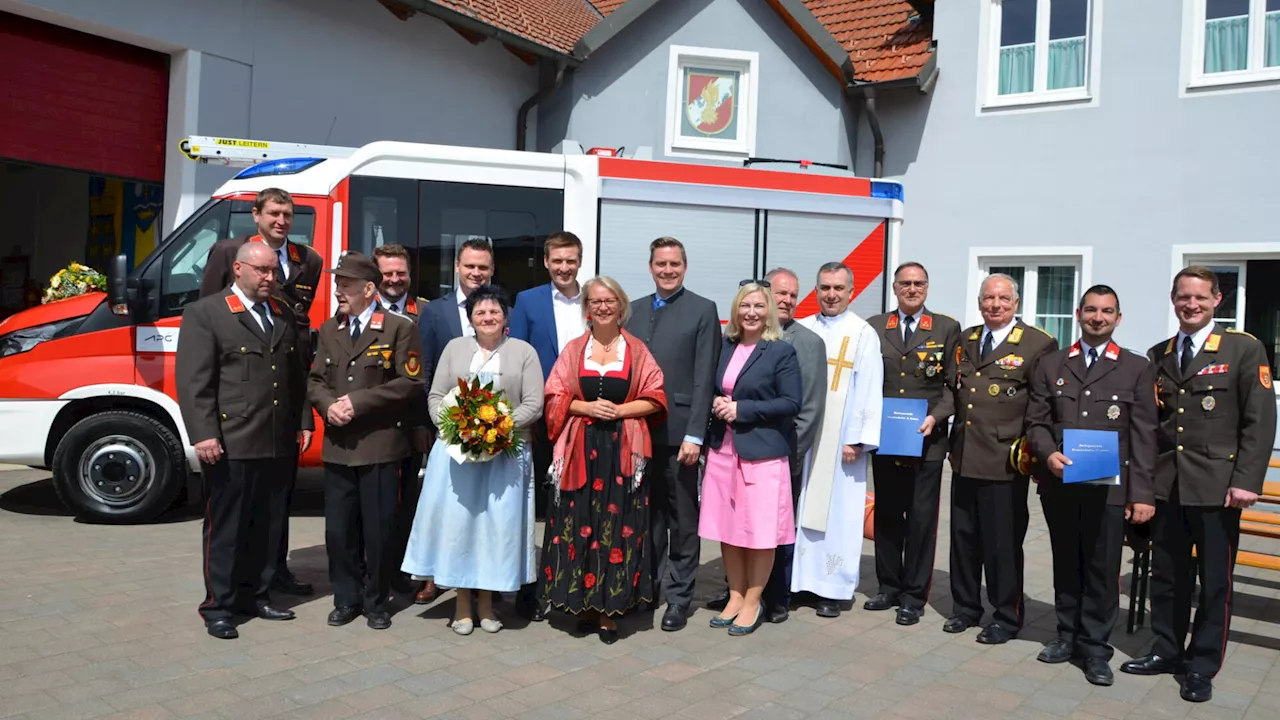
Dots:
{"x": 1197, "y": 687}
{"x": 880, "y": 602}
{"x": 958, "y": 624}
{"x": 270, "y": 612}
{"x": 994, "y": 635}
{"x": 379, "y": 620}
{"x": 530, "y": 609}
{"x": 674, "y": 619}
{"x": 908, "y": 615}
{"x": 1098, "y": 672}
{"x": 343, "y": 615}
{"x": 827, "y": 608}
{"x": 222, "y": 629}
{"x": 719, "y": 601}
{"x": 1149, "y": 665}
{"x": 609, "y": 636}
{"x": 1058, "y": 651}
{"x": 778, "y": 614}
{"x": 286, "y": 583}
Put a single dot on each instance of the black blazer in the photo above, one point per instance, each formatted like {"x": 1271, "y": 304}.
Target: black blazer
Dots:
{"x": 768, "y": 392}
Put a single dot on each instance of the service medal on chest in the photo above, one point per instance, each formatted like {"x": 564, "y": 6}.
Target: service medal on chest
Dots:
{"x": 931, "y": 371}
{"x": 1208, "y": 403}
{"x": 994, "y": 390}
{"x": 1011, "y": 391}
{"x": 1113, "y": 412}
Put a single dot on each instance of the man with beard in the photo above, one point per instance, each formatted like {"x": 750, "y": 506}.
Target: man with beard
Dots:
{"x": 241, "y": 383}
{"x": 1093, "y": 385}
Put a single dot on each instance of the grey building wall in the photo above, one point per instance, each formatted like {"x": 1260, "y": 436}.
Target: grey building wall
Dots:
{"x": 618, "y": 97}
{"x": 1143, "y": 170}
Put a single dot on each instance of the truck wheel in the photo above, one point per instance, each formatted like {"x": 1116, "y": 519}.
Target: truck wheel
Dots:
{"x": 119, "y": 467}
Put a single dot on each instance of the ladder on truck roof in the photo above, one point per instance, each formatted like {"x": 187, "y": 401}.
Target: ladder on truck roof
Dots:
{"x": 241, "y": 153}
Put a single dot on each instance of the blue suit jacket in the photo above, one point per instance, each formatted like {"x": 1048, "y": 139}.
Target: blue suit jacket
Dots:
{"x": 438, "y": 324}
{"x": 533, "y": 320}
{"x": 768, "y": 392}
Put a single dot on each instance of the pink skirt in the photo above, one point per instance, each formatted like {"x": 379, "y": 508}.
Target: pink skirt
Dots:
{"x": 746, "y": 503}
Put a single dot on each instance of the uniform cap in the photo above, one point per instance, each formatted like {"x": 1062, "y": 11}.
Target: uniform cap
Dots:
{"x": 359, "y": 266}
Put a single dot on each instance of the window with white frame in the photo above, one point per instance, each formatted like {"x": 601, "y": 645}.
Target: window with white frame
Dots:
{"x": 1231, "y": 279}
{"x": 1048, "y": 290}
{"x": 1040, "y": 50}
{"x": 1250, "y": 297}
{"x": 711, "y": 102}
{"x": 1235, "y": 40}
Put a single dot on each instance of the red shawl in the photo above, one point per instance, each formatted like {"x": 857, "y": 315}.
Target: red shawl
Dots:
{"x": 568, "y": 466}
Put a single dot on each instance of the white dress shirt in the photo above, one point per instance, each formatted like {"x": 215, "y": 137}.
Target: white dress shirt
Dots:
{"x": 997, "y": 336}
{"x": 467, "y": 330}
{"x": 364, "y": 320}
{"x": 250, "y": 305}
{"x": 1097, "y": 351}
{"x": 568, "y": 313}
{"x": 915, "y": 321}
{"x": 396, "y": 307}
{"x": 1197, "y": 340}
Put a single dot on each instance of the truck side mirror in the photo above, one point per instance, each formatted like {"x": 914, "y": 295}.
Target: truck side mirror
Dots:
{"x": 117, "y": 285}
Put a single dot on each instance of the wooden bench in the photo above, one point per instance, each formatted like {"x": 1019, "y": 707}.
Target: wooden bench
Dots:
{"x": 1257, "y": 523}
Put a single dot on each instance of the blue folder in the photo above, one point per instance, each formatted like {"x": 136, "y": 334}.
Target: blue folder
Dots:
{"x": 1094, "y": 456}
{"x": 899, "y": 428}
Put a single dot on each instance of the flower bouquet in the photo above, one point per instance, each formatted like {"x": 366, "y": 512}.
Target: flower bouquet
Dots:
{"x": 74, "y": 279}
{"x": 476, "y": 424}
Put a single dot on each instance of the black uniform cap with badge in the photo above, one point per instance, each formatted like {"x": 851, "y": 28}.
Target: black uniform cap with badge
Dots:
{"x": 358, "y": 266}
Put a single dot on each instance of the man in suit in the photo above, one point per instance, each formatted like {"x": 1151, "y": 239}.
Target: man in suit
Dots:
{"x": 919, "y": 352}
{"x": 1093, "y": 385}
{"x": 995, "y": 363}
{"x": 547, "y": 317}
{"x": 682, "y": 331}
{"x": 364, "y": 382}
{"x": 446, "y": 317}
{"x": 394, "y": 296}
{"x": 1217, "y": 423}
{"x": 242, "y": 391}
{"x": 296, "y": 283}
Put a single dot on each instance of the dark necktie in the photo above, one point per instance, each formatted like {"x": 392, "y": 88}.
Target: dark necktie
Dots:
{"x": 906, "y": 331}
{"x": 986, "y": 345}
{"x": 1093, "y": 360}
{"x": 355, "y": 329}
{"x": 261, "y": 309}
{"x": 1187, "y": 353}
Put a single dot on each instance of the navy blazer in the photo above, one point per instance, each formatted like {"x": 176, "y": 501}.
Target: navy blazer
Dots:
{"x": 768, "y": 392}
{"x": 438, "y": 324}
{"x": 533, "y": 320}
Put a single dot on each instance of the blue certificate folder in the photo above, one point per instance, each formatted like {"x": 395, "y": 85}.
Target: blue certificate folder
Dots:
{"x": 1094, "y": 456}
{"x": 899, "y": 428}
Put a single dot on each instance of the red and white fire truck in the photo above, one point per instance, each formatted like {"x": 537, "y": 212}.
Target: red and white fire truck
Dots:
{"x": 87, "y": 384}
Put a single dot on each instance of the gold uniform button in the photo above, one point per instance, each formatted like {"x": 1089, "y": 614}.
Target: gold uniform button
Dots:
{"x": 350, "y": 379}
{"x": 1179, "y": 428}
{"x": 902, "y": 374}
{"x": 244, "y": 349}
{"x": 1210, "y": 387}
{"x": 275, "y": 402}
{"x": 275, "y": 385}
{"x": 968, "y": 422}
{"x": 1182, "y": 391}
{"x": 1179, "y": 448}
{"x": 273, "y": 368}
{"x": 904, "y": 357}
{"x": 973, "y": 390}
{"x": 1181, "y": 410}
{"x": 970, "y": 406}
{"x": 979, "y": 374}
{"x": 1231, "y": 457}
{"x": 224, "y": 416}
{"x": 902, "y": 391}
{"x": 1084, "y": 413}
{"x": 1087, "y": 393}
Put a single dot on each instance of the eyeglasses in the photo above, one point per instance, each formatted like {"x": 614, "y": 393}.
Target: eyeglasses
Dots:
{"x": 266, "y": 270}
{"x": 613, "y": 302}
{"x": 761, "y": 283}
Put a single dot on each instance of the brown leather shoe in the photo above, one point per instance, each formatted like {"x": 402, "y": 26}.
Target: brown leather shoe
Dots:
{"x": 428, "y": 593}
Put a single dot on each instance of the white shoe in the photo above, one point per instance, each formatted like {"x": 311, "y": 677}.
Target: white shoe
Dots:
{"x": 463, "y": 627}
{"x": 490, "y": 626}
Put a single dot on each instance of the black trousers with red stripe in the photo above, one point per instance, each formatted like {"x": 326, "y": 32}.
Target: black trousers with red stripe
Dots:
{"x": 242, "y": 532}
{"x": 1087, "y": 536}
{"x": 906, "y": 527}
{"x": 988, "y": 524}
{"x": 1215, "y": 533}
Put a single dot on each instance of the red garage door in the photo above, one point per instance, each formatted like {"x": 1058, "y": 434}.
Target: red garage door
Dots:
{"x": 79, "y": 101}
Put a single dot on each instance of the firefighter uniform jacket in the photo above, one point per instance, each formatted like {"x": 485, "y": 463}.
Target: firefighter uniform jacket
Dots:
{"x": 1115, "y": 394}
{"x": 298, "y": 290}
{"x": 382, "y": 372}
{"x": 237, "y": 384}
{"x": 991, "y": 401}
{"x": 1217, "y": 419}
{"x": 923, "y": 368}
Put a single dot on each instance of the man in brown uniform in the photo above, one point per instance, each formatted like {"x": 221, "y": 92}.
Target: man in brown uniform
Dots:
{"x": 919, "y": 351}
{"x": 1093, "y": 385}
{"x": 297, "y": 275}
{"x": 1217, "y": 423}
{"x": 364, "y": 381}
{"x": 995, "y": 363}
{"x": 242, "y": 389}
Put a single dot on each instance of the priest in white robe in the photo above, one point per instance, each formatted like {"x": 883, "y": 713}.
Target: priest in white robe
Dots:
{"x": 833, "y": 497}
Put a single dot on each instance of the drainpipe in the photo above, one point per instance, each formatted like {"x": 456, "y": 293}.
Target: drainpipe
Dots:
{"x": 546, "y": 87}
{"x": 873, "y": 120}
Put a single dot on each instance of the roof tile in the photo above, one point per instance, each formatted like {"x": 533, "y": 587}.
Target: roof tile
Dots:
{"x": 555, "y": 24}
{"x": 605, "y": 7}
{"x": 882, "y": 39}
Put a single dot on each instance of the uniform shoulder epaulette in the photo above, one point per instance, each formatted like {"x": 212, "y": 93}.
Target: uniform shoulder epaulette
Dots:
{"x": 944, "y": 315}
{"x": 1044, "y": 332}
{"x": 313, "y": 250}
{"x": 1233, "y": 331}
{"x": 421, "y": 300}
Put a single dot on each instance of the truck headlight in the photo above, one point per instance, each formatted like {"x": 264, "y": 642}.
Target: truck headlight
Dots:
{"x": 20, "y": 341}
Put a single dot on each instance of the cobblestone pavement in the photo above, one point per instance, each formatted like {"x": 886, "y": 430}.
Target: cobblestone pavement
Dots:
{"x": 100, "y": 621}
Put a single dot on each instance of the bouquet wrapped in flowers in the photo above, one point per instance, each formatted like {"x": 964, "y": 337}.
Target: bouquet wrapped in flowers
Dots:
{"x": 476, "y": 424}
{"x": 74, "y": 279}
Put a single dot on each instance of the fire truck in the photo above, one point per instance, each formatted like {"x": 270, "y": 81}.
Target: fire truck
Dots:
{"x": 87, "y": 384}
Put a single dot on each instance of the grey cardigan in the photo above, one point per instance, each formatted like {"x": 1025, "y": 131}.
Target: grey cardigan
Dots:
{"x": 519, "y": 376}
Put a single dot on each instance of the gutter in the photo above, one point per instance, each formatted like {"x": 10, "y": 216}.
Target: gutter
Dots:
{"x": 923, "y": 83}
{"x": 546, "y": 88}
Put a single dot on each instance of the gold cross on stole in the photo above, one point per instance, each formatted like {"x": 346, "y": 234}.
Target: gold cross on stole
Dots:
{"x": 840, "y": 364}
